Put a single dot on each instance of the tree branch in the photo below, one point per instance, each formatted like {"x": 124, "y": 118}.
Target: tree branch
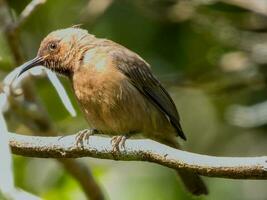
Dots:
{"x": 83, "y": 175}
{"x": 141, "y": 150}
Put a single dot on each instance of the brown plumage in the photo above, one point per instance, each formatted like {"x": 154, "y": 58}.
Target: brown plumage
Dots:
{"x": 116, "y": 90}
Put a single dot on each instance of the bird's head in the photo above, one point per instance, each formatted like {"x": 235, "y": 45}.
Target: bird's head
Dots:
{"x": 61, "y": 50}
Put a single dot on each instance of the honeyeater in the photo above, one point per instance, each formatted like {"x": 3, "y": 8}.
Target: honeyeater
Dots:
{"x": 116, "y": 90}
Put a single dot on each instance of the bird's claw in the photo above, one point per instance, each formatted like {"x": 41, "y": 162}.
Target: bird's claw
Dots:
{"x": 83, "y": 136}
{"x": 118, "y": 142}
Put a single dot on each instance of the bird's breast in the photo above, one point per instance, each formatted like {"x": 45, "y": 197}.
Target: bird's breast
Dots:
{"x": 107, "y": 99}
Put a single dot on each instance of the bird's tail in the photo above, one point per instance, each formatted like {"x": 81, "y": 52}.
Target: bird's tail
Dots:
{"x": 192, "y": 182}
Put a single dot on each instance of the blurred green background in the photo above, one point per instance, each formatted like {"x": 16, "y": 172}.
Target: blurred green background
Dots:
{"x": 210, "y": 55}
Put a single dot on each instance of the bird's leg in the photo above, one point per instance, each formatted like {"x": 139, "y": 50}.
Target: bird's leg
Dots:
{"x": 118, "y": 142}
{"x": 84, "y": 135}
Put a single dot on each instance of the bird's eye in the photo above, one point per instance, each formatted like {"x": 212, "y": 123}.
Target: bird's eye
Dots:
{"x": 52, "y": 46}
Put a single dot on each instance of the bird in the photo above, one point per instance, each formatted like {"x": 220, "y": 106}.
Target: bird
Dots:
{"x": 116, "y": 90}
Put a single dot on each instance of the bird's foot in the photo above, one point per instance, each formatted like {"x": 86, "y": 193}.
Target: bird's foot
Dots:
{"x": 83, "y": 136}
{"x": 118, "y": 142}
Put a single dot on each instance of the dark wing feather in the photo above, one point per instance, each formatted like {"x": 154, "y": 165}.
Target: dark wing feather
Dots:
{"x": 142, "y": 78}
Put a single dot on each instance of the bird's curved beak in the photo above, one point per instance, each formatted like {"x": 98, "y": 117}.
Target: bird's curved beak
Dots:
{"x": 30, "y": 64}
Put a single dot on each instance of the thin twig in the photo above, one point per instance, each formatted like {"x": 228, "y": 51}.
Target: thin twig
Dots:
{"x": 141, "y": 150}
{"x": 26, "y": 13}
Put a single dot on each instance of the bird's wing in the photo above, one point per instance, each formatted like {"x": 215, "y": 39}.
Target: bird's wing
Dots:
{"x": 140, "y": 75}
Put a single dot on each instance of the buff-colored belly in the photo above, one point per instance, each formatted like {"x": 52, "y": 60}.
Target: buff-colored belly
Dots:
{"x": 114, "y": 106}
